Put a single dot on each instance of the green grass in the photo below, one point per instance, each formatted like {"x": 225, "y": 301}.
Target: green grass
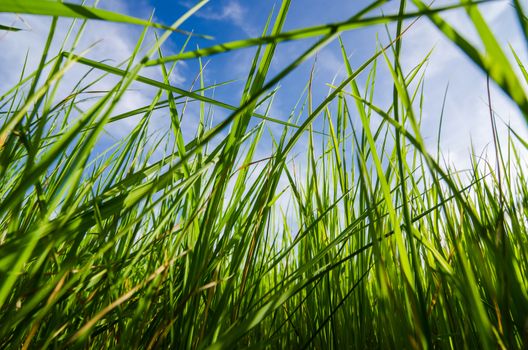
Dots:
{"x": 381, "y": 244}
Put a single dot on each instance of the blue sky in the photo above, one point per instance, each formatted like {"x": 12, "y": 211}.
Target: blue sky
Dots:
{"x": 466, "y": 118}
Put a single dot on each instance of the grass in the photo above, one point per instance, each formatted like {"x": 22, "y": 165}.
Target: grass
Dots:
{"x": 382, "y": 244}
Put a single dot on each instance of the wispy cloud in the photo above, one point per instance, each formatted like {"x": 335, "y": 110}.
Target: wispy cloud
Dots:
{"x": 231, "y": 11}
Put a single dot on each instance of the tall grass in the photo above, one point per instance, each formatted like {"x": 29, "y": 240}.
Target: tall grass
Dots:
{"x": 381, "y": 243}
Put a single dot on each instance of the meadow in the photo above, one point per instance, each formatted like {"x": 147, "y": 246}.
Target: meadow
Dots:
{"x": 352, "y": 233}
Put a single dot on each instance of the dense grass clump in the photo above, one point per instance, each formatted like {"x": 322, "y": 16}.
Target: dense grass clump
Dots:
{"x": 364, "y": 239}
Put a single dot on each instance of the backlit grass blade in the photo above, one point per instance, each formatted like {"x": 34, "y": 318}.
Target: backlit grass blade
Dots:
{"x": 523, "y": 19}
{"x": 65, "y": 9}
{"x": 9, "y": 28}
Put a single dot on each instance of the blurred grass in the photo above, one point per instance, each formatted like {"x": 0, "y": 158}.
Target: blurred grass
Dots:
{"x": 380, "y": 245}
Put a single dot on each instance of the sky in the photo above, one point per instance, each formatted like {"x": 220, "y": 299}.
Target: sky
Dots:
{"x": 466, "y": 117}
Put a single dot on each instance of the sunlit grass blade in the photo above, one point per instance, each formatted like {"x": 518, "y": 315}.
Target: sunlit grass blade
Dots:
{"x": 72, "y": 10}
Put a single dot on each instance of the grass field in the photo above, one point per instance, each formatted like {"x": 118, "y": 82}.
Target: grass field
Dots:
{"x": 351, "y": 233}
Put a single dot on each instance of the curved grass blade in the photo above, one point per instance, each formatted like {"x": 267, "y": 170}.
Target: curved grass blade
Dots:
{"x": 9, "y": 29}
{"x": 65, "y": 9}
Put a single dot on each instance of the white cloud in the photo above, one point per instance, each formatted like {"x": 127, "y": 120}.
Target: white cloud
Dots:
{"x": 230, "y": 11}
